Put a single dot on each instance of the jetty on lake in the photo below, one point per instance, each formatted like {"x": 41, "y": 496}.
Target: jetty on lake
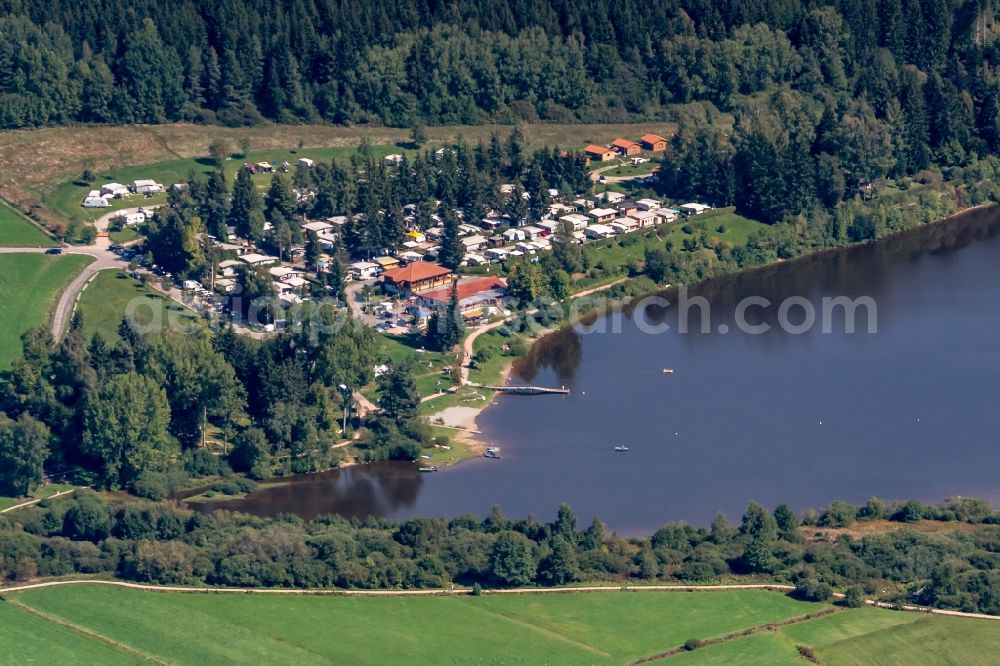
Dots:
{"x": 524, "y": 390}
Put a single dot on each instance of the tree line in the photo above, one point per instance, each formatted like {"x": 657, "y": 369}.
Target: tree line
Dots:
{"x": 486, "y": 61}
{"x": 162, "y": 544}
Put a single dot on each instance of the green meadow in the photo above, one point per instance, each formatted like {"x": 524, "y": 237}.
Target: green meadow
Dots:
{"x": 18, "y": 231}
{"x": 67, "y": 197}
{"x": 29, "y": 286}
{"x": 90, "y": 624}
{"x": 112, "y": 294}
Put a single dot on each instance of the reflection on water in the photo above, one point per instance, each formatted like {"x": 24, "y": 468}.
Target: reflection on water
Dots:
{"x": 907, "y": 413}
{"x": 560, "y": 351}
{"x": 358, "y": 491}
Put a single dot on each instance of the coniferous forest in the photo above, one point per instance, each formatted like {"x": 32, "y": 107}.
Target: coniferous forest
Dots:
{"x": 924, "y": 68}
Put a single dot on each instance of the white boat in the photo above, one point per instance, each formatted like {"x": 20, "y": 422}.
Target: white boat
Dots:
{"x": 621, "y": 448}
{"x": 668, "y": 371}
{"x": 492, "y": 452}
{"x": 428, "y": 469}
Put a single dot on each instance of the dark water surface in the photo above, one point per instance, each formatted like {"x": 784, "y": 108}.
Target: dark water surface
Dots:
{"x": 912, "y": 411}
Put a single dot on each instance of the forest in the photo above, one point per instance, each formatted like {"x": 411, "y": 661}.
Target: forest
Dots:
{"x": 134, "y": 414}
{"x": 403, "y": 62}
{"x": 953, "y": 565}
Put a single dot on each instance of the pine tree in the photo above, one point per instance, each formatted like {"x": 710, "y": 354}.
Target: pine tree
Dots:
{"x": 312, "y": 249}
{"x": 280, "y": 198}
{"x": 452, "y": 251}
{"x": 245, "y": 212}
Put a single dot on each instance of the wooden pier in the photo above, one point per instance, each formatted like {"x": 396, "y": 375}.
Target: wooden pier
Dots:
{"x": 527, "y": 390}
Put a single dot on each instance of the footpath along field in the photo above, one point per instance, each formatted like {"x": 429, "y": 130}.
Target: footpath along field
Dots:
{"x": 112, "y": 625}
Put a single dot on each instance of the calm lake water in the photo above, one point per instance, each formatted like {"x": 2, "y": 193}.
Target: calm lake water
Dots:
{"x": 912, "y": 411}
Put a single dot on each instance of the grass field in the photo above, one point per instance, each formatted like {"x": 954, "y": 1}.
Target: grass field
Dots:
{"x": 29, "y": 284}
{"x": 18, "y": 231}
{"x": 89, "y": 624}
{"x": 556, "y": 629}
{"x": 107, "y": 298}
{"x": 67, "y": 197}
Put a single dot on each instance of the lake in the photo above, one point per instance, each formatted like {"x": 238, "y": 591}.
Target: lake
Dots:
{"x": 909, "y": 412}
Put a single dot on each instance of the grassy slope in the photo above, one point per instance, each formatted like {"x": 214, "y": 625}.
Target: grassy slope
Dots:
{"x": 29, "y": 284}
{"x": 871, "y": 636}
{"x": 66, "y": 198}
{"x": 584, "y": 628}
{"x": 17, "y": 231}
{"x": 762, "y": 649}
{"x": 28, "y": 639}
{"x": 105, "y": 301}
{"x": 39, "y": 160}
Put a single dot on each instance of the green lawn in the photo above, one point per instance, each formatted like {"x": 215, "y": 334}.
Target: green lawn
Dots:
{"x": 626, "y": 168}
{"x": 91, "y": 624}
{"x": 18, "y": 231}
{"x": 763, "y": 649}
{"x": 113, "y": 293}
{"x": 28, "y": 639}
{"x": 428, "y": 367}
{"x": 872, "y": 636}
{"x": 29, "y": 285}
{"x": 556, "y": 629}
{"x": 67, "y": 197}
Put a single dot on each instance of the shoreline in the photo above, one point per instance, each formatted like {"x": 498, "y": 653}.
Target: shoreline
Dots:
{"x": 475, "y": 439}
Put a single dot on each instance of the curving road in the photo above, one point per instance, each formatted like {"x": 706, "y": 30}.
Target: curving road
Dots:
{"x": 104, "y": 259}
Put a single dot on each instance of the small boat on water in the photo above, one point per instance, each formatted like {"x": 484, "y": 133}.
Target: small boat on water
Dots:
{"x": 429, "y": 469}
{"x": 668, "y": 371}
{"x": 621, "y": 448}
{"x": 492, "y": 452}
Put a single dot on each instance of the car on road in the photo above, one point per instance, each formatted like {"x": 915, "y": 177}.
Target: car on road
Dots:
{"x": 382, "y": 328}
{"x": 54, "y": 250}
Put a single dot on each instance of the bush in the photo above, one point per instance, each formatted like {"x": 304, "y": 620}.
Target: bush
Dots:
{"x": 854, "y": 598}
{"x": 693, "y": 644}
{"x": 200, "y": 462}
{"x": 812, "y": 590}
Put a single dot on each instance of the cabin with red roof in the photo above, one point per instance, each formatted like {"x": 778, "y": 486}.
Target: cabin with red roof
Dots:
{"x": 599, "y": 153}
{"x": 626, "y": 147}
{"x": 416, "y": 277}
{"x": 654, "y": 143}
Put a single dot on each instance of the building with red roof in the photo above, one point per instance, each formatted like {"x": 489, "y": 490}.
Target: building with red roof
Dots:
{"x": 599, "y": 153}
{"x": 477, "y": 297}
{"x": 626, "y": 147}
{"x": 654, "y": 143}
{"x": 416, "y": 277}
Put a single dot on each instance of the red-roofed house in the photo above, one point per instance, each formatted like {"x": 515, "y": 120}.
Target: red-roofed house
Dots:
{"x": 477, "y": 297}
{"x": 626, "y": 147}
{"x": 654, "y": 143}
{"x": 599, "y": 153}
{"x": 416, "y": 277}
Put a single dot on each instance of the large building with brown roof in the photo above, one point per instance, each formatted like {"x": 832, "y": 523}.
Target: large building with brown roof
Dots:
{"x": 416, "y": 277}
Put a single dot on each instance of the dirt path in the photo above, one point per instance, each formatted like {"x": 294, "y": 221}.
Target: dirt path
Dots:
{"x": 774, "y": 587}
{"x": 32, "y": 502}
